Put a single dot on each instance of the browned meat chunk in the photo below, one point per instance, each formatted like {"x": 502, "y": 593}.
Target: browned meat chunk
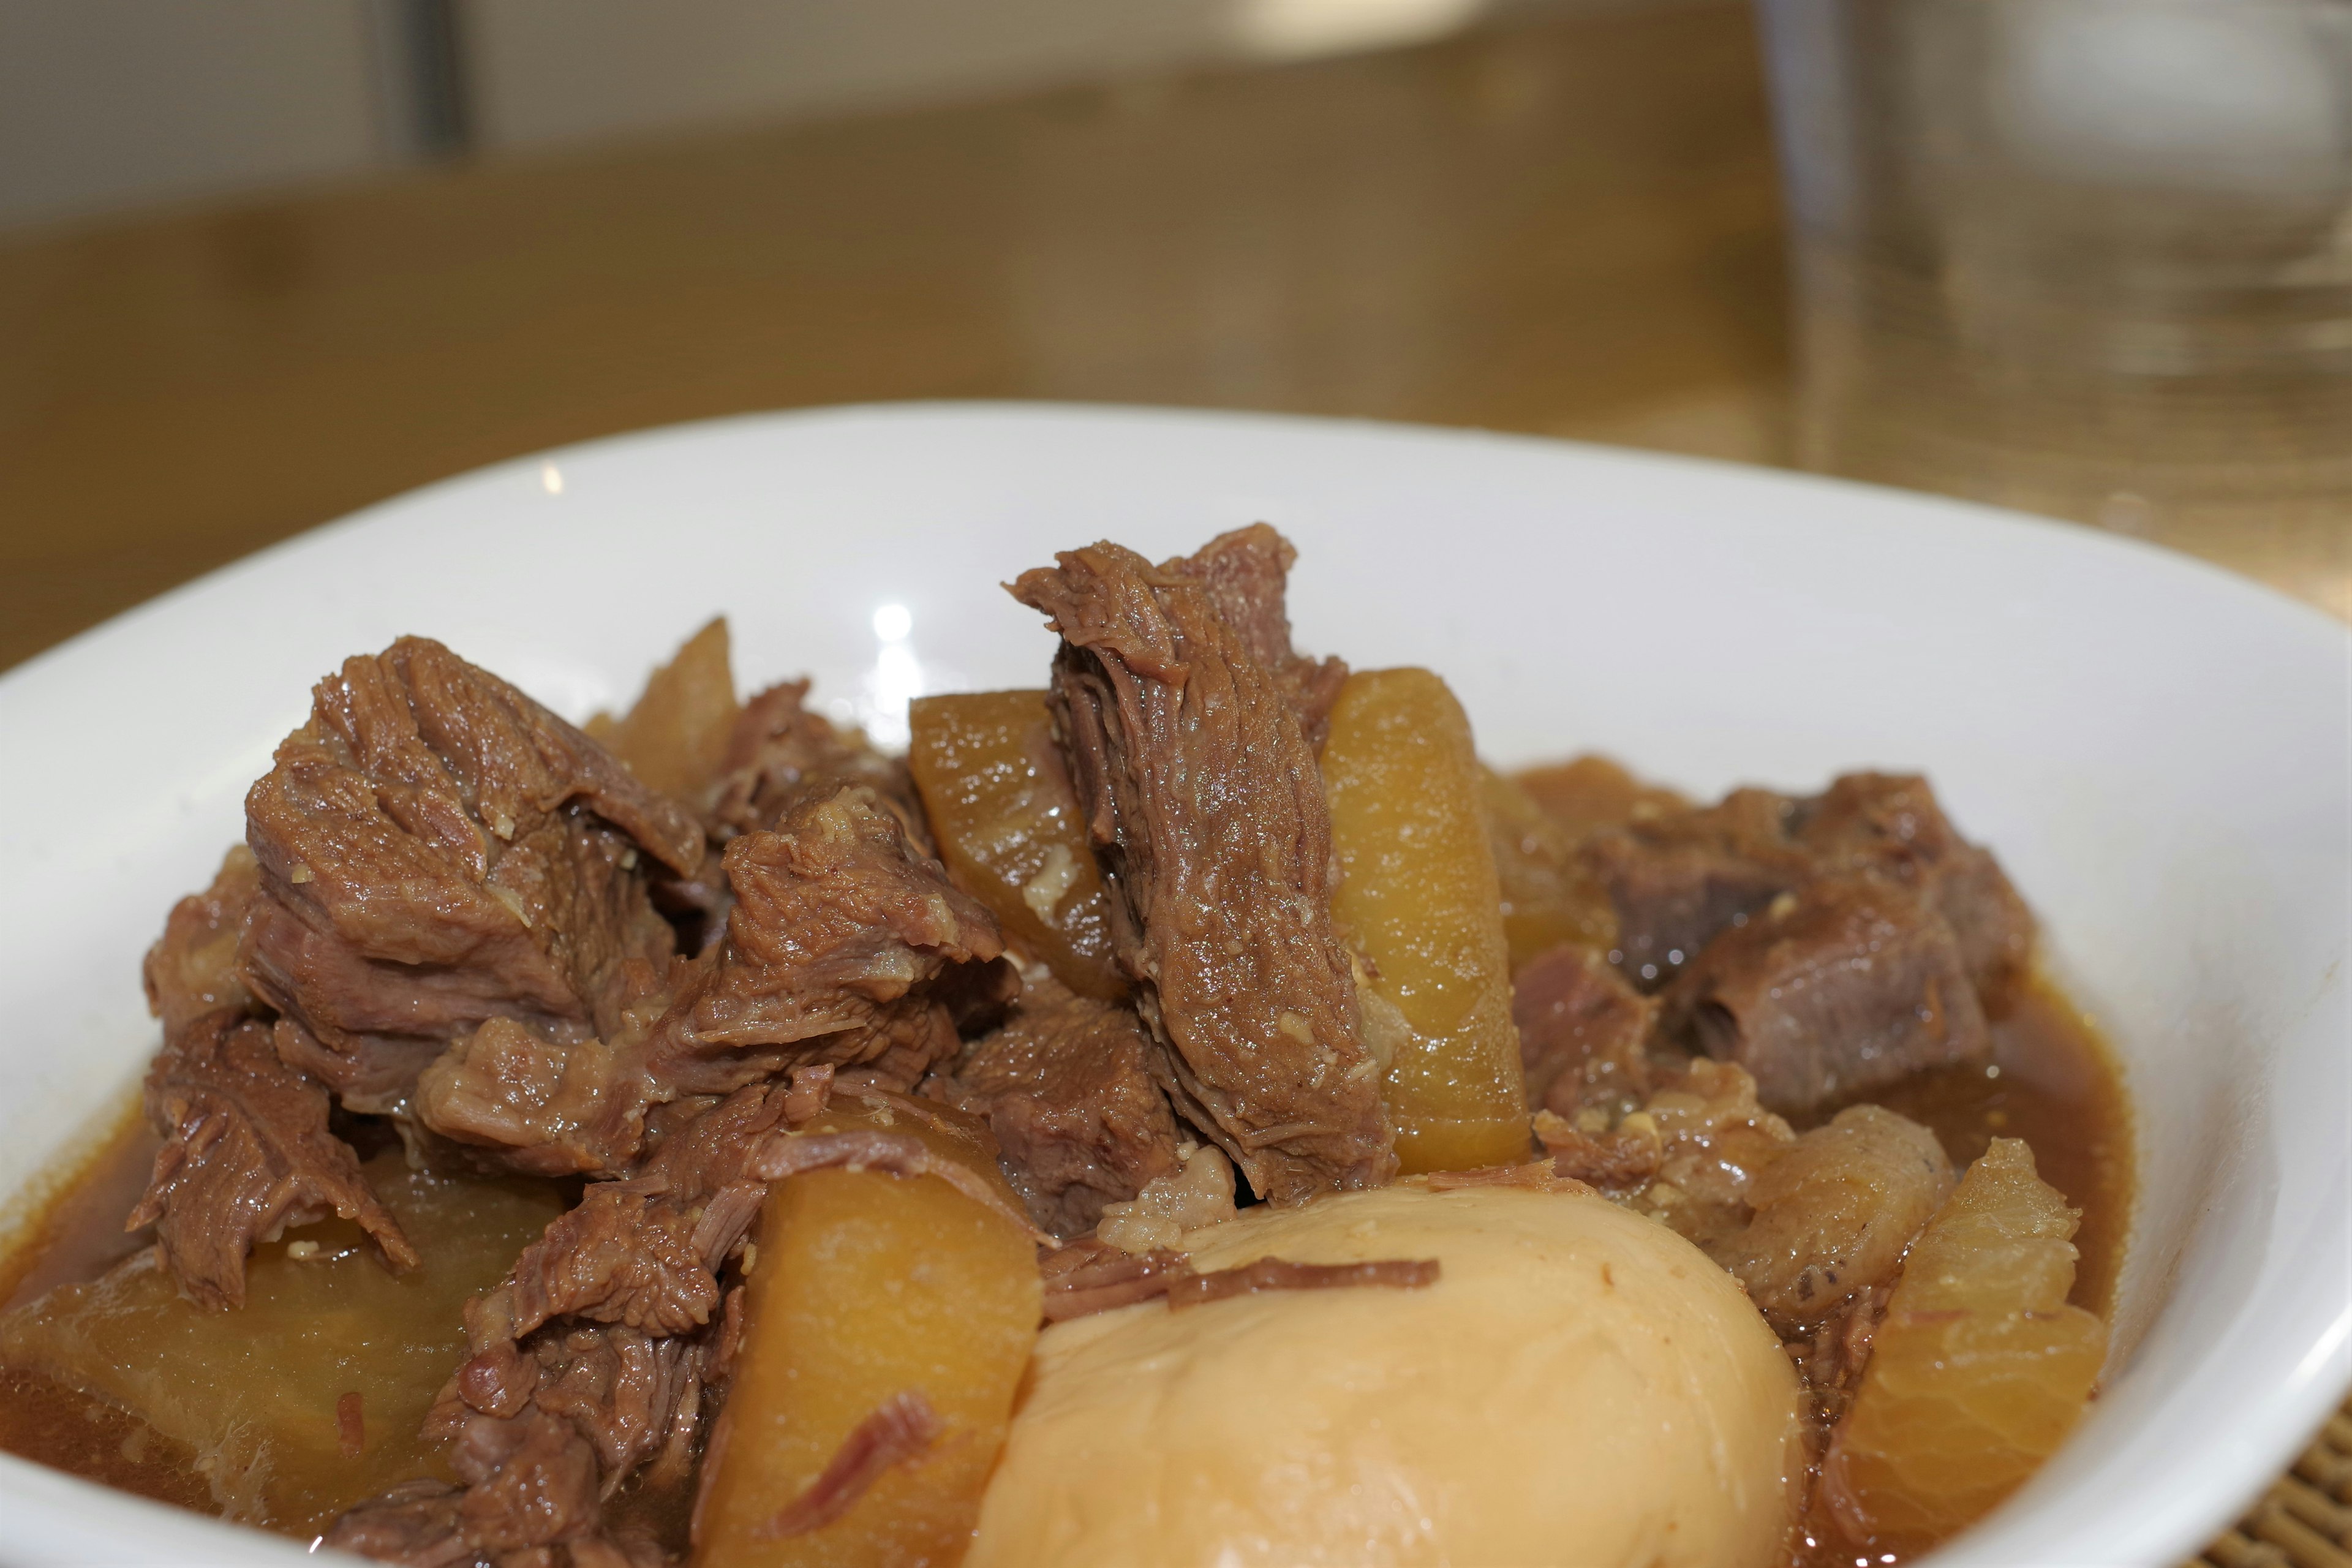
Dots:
{"x": 1204, "y": 801}
{"x": 1582, "y": 1030}
{"x": 439, "y": 850}
{"x": 1832, "y": 992}
{"x": 246, "y": 1153}
{"x": 192, "y": 969}
{"x": 1891, "y": 826}
{"x": 1066, "y": 1087}
{"x": 778, "y": 750}
{"x": 840, "y": 944}
{"x": 1248, "y": 573}
{"x": 1678, "y": 878}
{"x": 840, "y": 925}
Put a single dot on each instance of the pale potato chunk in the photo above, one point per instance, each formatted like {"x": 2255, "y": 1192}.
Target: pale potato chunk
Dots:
{"x": 1418, "y": 899}
{"x": 1981, "y": 1368}
{"x": 895, "y": 1304}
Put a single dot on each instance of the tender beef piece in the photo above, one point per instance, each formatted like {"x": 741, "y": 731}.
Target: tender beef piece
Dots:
{"x": 1833, "y": 992}
{"x": 192, "y": 969}
{"x": 778, "y": 750}
{"x": 1615, "y": 1160}
{"x": 415, "y": 1524}
{"x": 1248, "y": 573}
{"x": 246, "y": 1153}
{"x": 647, "y": 1251}
{"x": 1891, "y": 826}
{"x": 844, "y": 945}
{"x": 1835, "y": 1214}
{"x": 1066, "y": 1085}
{"x": 438, "y": 850}
{"x": 841, "y": 923}
{"x": 1204, "y": 802}
{"x": 1678, "y": 878}
{"x": 1582, "y": 1030}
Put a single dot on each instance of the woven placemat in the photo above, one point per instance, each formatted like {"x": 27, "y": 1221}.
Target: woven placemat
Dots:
{"x": 2305, "y": 1519}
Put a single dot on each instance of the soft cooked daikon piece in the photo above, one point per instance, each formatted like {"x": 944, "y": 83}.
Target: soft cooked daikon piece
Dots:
{"x": 308, "y": 1398}
{"x": 1549, "y": 896}
{"x": 1419, "y": 899}
{"x": 1980, "y": 1369}
{"x": 889, "y": 1321}
{"x": 1834, "y": 1214}
{"x": 1008, "y": 826}
{"x": 675, "y": 739}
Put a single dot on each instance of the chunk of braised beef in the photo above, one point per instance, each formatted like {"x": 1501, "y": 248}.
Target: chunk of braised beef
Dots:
{"x": 844, "y": 945}
{"x": 438, "y": 850}
{"x": 1893, "y": 827}
{"x": 1202, "y": 796}
{"x": 1833, "y": 992}
{"x": 1248, "y": 573}
{"x": 246, "y": 1153}
{"x": 842, "y": 926}
{"x": 1582, "y": 1030}
{"x": 192, "y": 969}
{"x": 1066, "y": 1086}
{"x": 779, "y": 750}
{"x": 1677, "y": 878}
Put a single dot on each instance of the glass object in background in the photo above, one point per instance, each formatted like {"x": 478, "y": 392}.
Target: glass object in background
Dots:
{"x": 2090, "y": 257}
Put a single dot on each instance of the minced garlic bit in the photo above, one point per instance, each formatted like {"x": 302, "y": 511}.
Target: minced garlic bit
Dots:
{"x": 302, "y": 1251}
{"x": 1200, "y": 1192}
{"x": 751, "y": 1257}
{"x": 1043, "y": 892}
{"x": 300, "y": 874}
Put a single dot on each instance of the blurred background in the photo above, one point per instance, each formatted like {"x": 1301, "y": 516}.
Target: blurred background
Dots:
{"x": 265, "y": 261}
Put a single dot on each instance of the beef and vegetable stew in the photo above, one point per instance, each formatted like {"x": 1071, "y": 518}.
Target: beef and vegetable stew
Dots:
{"x": 1192, "y": 1111}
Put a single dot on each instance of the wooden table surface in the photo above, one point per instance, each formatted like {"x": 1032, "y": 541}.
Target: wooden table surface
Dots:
{"x": 1568, "y": 228}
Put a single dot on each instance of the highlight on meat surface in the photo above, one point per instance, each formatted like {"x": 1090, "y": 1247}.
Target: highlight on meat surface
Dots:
{"x": 1194, "y": 1109}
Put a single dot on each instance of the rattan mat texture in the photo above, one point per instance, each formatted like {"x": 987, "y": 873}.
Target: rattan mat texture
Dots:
{"x": 2305, "y": 1519}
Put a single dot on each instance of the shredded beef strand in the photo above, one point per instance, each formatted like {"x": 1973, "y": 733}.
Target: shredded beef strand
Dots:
{"x": 1089, "y": 1277}
{"x": 1202, "y": 796}
{"x": 1278, "y": 1274}
{"x": 899, "y": 1431}
{"x": 246, "y": 1153}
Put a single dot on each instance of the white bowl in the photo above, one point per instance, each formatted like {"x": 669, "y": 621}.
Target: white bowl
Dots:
{"x": 2157, "y": 751}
